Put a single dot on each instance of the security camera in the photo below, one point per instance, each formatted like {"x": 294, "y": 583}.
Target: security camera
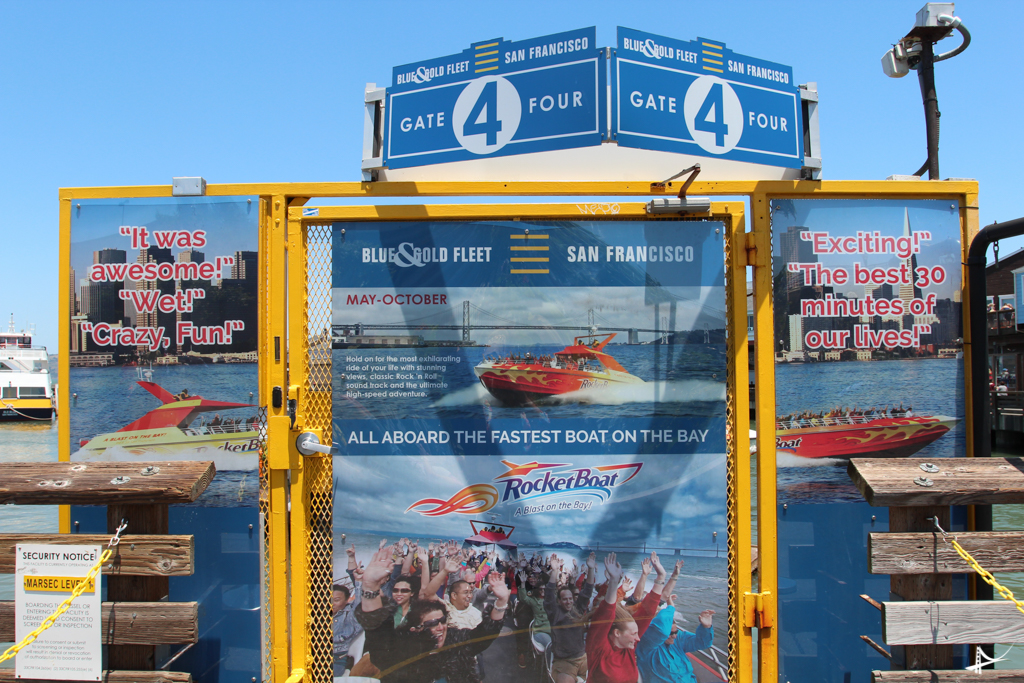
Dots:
{"x": 894, "y": 62}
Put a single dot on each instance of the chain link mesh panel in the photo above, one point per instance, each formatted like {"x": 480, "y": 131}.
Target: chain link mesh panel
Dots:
{"x": 316, "y": 410}
{"x": 731, "y": 492}
{"x": 264, "y": 505}
{"x": 266, "y": 622}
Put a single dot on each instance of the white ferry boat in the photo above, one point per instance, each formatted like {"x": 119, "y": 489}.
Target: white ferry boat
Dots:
{"x": 25, "y": 389}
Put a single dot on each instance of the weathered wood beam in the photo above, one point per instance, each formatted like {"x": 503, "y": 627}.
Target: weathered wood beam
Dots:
{"x": 959, "y": 481}
{"x": 137, "y": 555}
{"x": 927, "y": 553}
{"x": 132, "y": 623}
{"x": 951, "y": 622}
{"x": 948, "y": 676}
{"x": 921, "y": 587}
{"x": 7, "y": 676}
{"x": 101, "y": 483}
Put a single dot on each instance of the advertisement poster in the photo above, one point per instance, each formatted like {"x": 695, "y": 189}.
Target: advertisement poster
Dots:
{"x": 163, "y": 366}
{"x": 868, "y": 313}
{"x": 44, "y": 577}
{"x": 868, "y": 364}
{"x": 523, "y": 413}
{"x": 163, "y": 335}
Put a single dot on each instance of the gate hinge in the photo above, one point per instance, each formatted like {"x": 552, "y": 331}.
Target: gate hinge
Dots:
{"x": 751, "y": 248}
{"x": 758, "y": 610}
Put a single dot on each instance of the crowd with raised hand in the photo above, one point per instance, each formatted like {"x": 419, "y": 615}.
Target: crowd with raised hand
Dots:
{"x": 429, "y": 611}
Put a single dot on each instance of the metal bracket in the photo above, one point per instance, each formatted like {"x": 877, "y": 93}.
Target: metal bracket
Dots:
{"x": 694, "y": 171}
{"x": 373, "y": 131}
{"x": 811, "y": 169}
{"x": 755, "y": 612}
{"x": 750, "y": 246}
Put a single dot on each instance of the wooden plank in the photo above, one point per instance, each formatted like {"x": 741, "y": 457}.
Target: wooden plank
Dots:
{"x": 132, "y": 623}
{"x": 137, "y": 554}
{"x": 927, "y": 553}
{"x": 948, "y": 676}
{"x": 7, "y": 676}
{"x": 91, "y": 483}
{"x": 145, "y": 519}
{"x": 952, "y": 622}
{"x": 921, "y": 587}
{"x": 959, "y": 481}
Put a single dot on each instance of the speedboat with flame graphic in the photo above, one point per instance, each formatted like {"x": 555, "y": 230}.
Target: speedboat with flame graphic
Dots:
{"x": 522, "y": 379}
{"x": 874, "y": 435}
{"x": 175, "y": 430}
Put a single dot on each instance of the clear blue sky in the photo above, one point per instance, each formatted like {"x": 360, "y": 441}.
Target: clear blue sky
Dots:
{"x": 134, "y": 93}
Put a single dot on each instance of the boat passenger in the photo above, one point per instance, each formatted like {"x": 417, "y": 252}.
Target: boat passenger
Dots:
{"x": 216, "y": 421}
{"x": 344, "y": 627}
{"x": 566, "y": 610}
{"x": 614, "y": 632}
{"x": 661, "y": 653}
{"x": 427, "y": 647}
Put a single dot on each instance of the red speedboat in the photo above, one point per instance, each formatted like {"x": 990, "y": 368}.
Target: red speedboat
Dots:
{"x": 524, "y": 378}
{"x": 875, "y": 435}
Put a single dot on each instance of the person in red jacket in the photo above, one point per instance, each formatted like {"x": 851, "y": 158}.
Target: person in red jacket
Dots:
{"x": 614, "y": 632}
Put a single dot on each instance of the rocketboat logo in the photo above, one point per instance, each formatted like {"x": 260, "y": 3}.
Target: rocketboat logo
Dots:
{"x": 531, "y": 482}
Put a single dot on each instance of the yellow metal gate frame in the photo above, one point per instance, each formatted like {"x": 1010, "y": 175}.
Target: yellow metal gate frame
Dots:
{"x": 295, "y": 300}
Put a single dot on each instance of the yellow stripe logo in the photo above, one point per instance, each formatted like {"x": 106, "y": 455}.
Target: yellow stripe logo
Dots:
{"x": 529, "y": 259}
{"x": 484, "y": 51}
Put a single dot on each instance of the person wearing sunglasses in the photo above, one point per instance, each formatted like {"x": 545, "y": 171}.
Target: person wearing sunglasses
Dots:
{"x": 402, "y": 593}
{"x": 426, "y": 648}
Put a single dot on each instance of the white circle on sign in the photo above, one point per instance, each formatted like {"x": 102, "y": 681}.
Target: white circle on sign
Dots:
{"x": 487, "y": 114}
{"x": 713, "y": 114}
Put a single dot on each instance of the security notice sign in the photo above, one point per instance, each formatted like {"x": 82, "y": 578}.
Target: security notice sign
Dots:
{"x": 698, "y": 97}
{"x": 497, "y": 98}
{"x": 45, "y": 576}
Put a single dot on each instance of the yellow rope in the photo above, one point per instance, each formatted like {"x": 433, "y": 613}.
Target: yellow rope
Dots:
{"x": 985, "y": 575}
{"x": 64, "y": 607}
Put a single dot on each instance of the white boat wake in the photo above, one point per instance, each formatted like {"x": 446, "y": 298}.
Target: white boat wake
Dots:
{"x": 790, "y": 460}
{"x": 683, "y": 391}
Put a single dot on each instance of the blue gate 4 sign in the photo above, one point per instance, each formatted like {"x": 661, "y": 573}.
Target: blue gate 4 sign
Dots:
{"x": 698, "y": 97}
{"x": 497, "y": 98}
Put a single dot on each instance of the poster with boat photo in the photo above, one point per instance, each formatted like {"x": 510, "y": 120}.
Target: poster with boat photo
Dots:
{"x": 600, "y": 326}
{"x": 163, "y": 336}
{"x": 868, "y": 328}
{"x": 512, "y": 401}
